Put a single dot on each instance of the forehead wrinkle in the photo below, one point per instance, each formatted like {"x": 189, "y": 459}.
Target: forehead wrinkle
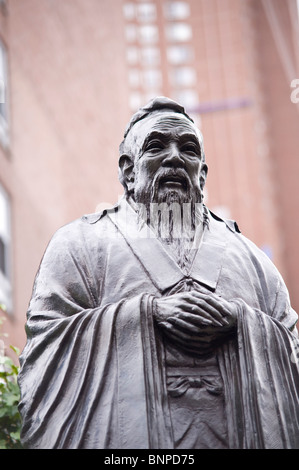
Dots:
{"x": 170, "y": 122}
{"x": 157, "y": 133}
{"x": 163, "y": 124}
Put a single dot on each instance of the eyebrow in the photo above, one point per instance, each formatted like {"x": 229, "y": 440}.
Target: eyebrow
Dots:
{"x": 155, "y": 135}
{"x": 165, "y": 136}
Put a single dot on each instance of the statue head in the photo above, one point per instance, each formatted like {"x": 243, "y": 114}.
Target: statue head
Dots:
{"x": 162, "y": 156}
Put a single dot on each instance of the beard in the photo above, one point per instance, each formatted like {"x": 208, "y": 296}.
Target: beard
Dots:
{"x": 172, "y": 211}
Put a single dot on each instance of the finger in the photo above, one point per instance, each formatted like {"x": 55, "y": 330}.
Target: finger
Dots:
{"x": 217, "y": 302}
{"x": 171, "y": 328}
{"x": 202, "y": 309}
{"x": 185, "y": 340}
{"x": 198, "y": 317}
{"x": 192, "y": 339}
{"x": 189, "y": 326}
{"x": 215, "y": 307}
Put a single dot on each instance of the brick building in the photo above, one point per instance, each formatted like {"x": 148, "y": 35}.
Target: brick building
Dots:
{"x": 73, "y": 71}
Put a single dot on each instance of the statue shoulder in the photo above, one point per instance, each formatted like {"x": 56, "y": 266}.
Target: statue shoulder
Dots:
{"x": 97, "y": 216}
{"x": 231, "y": 224}
{"x": 88, "y": 229}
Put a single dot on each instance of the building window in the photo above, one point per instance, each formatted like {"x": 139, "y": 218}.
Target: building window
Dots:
{"x": 131, "y": 33}
{"x": 187, "y": 98}
{"x": 2, "y": 257}
{"x": 180, "y": 54}
{"x": 135, "y": 100}
{"x": 129, "y": 11}
{"x": 152, "y": 78}
{"x": 143, "y": 53}
{"x": 4, "y": 137}
{"x": 150, "y": 56}
{"x": 132, "y": 55}
{"x": 148, "y": 34}
{"x": 177, "y": 10}
{"x": 179, "y": 32}
{"x": 146, "y": 12}
{"x": 150, "y": 95}
{"x": 134, "y": 78}
{"x": 5, "y": 241}
{"x": 183, "y": 77}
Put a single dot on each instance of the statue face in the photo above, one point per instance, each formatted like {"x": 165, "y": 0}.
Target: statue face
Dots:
{"x": 168, "y": 157}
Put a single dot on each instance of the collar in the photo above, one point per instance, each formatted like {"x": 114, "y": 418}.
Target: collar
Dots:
{"x": 158, "y": 263}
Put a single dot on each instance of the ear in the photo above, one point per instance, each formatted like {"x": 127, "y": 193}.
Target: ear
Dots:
{"x": 203, "y": 175}
{"x": 127, "y": 174}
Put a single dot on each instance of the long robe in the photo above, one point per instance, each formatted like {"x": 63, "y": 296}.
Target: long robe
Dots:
{"x": 93, "y": 371}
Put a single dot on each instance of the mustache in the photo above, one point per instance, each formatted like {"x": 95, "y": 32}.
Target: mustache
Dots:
{"x": 169, "y": 174}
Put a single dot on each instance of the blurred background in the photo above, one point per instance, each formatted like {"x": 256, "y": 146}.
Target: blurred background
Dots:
{"x": 73, "y": 71}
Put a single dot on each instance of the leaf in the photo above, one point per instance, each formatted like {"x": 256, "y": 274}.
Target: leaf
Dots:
{"x": 3, "y": 444}
{"x": 3, "y": 411}
{"x": 15, "y": 349}
{"x": 10, "y": 419}
{"x": 15, "y": 435}
{"x": 3, "y": 375}
{"x": 5, "y": 360}
{"x": 14, "y": 370}
{"x": 11, "y": 400}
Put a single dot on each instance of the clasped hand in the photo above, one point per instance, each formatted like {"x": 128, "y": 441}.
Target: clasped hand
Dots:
{"x": 194, "y": 320}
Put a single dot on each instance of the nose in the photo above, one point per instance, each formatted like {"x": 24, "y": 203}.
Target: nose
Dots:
{"x": 173, "y": 158}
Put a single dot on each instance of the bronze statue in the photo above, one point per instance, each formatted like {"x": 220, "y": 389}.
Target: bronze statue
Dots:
{"x": 156, "y": 324}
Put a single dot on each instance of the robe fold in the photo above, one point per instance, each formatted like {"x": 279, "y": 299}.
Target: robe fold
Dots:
{"x": 93, "y": 372}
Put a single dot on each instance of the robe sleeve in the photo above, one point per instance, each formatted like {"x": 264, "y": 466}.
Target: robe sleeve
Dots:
{"x": 261, "y": 377}
{"x": 82, "y": 377}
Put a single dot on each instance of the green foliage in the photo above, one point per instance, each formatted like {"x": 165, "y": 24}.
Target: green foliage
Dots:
{"x": 10, "y": 420}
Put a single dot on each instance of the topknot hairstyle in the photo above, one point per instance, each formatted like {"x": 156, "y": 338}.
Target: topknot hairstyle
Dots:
{"x": 160, "y": 103}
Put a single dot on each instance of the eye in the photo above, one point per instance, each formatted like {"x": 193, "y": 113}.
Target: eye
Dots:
{"x": 190, "y": 149}
{"x": 154, "y": 146}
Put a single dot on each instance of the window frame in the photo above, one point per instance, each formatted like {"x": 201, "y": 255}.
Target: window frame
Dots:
{"x": 4, "y": 93}
{"x": 5, "y": 234}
